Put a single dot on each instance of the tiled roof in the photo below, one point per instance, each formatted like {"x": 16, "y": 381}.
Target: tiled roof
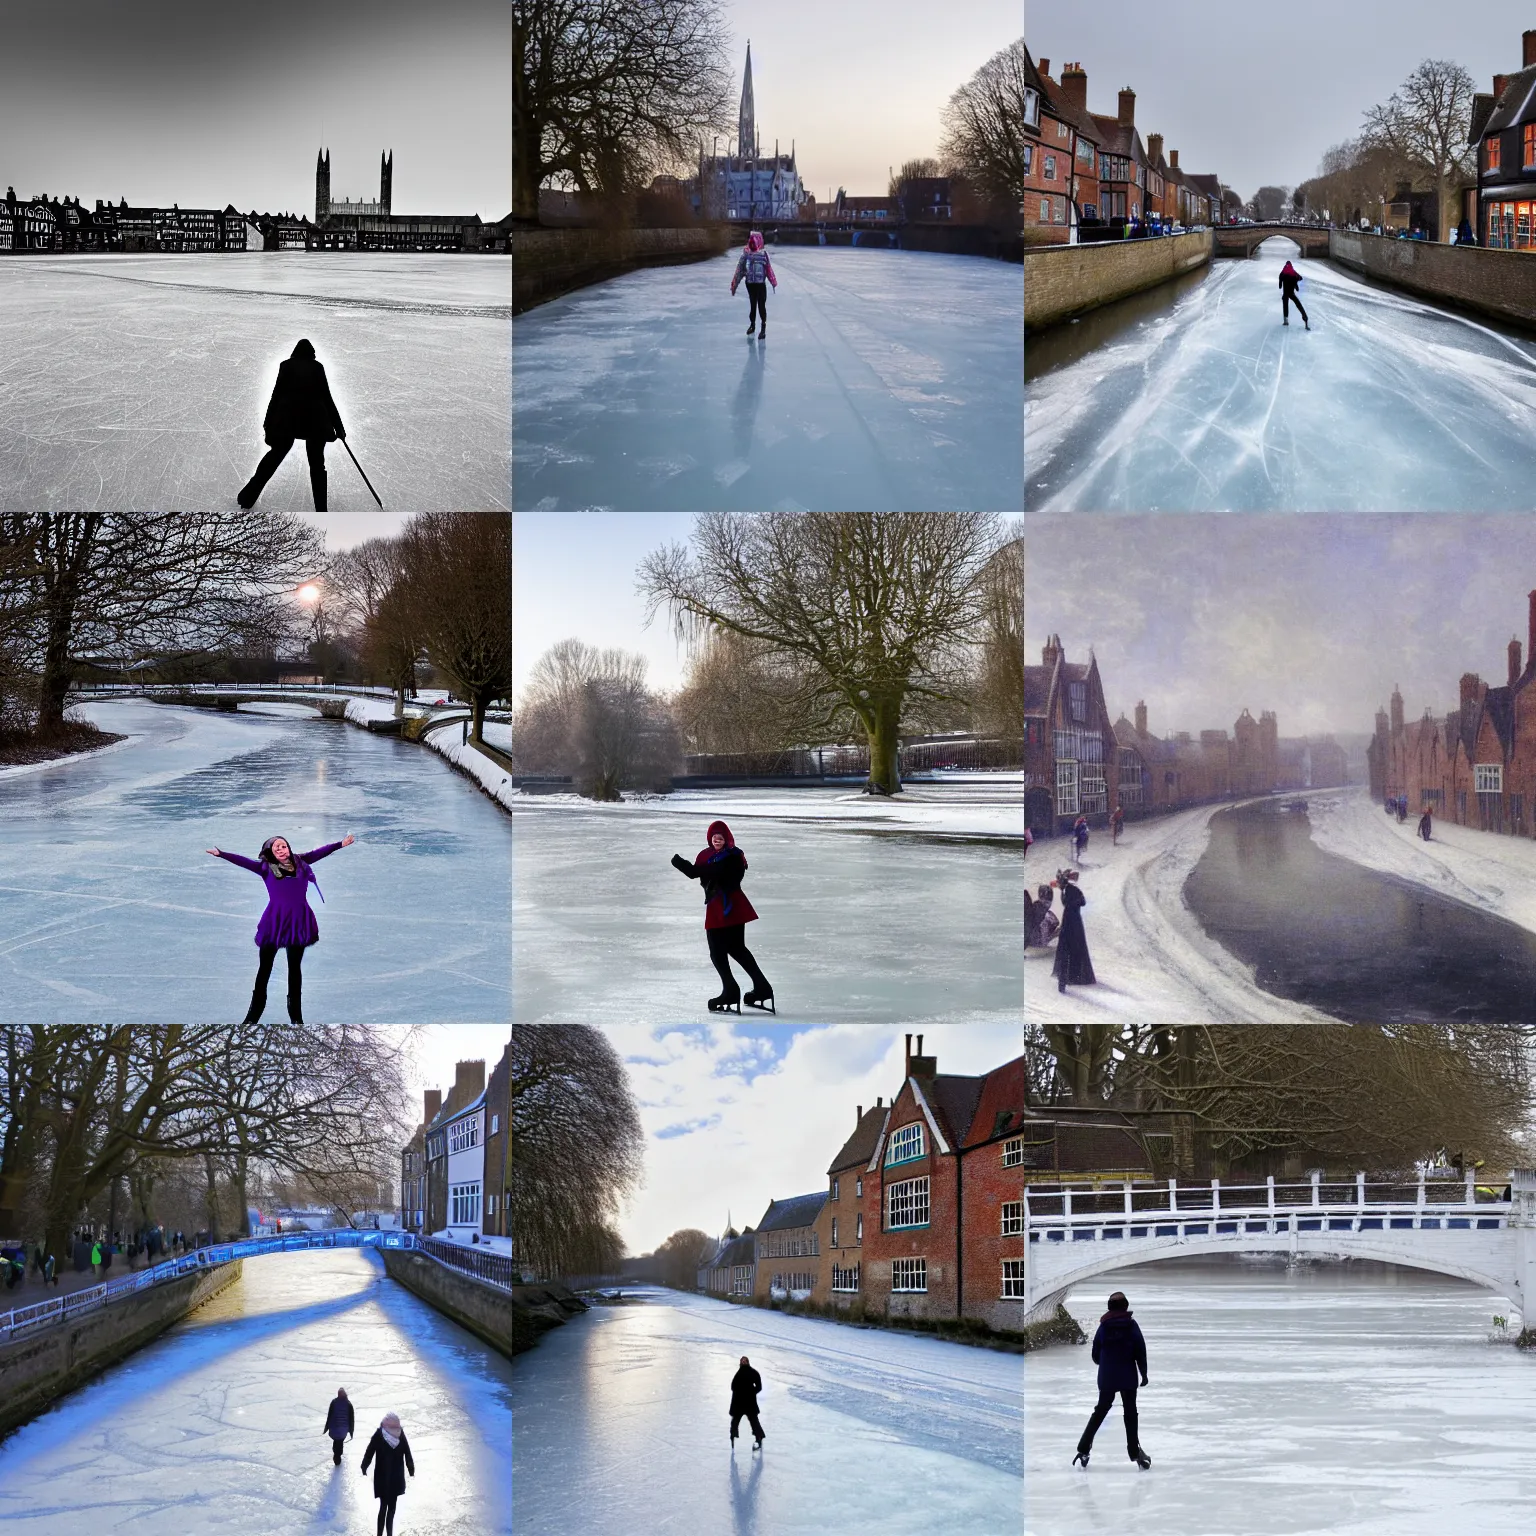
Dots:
{"x": 953, "y": 1102}
{"x": 1516, "y": 105}
{"x": 1037, "y": 689}
{"x": 860, "y": 1147}
{"x": 999, "y": 1106}
{"x": 801, "y": 1211}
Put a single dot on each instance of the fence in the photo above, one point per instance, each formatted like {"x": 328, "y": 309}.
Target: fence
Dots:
{"x": 919, "y": 756}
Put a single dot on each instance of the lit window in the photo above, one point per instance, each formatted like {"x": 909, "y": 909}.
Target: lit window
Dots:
{"x": 912, "y": 1274}
{"x": 1013, "y": 1279}
{"x": 906, "y": 1144}
{"x": 907, "y": 1204}
{"x": 1491, "y": 153}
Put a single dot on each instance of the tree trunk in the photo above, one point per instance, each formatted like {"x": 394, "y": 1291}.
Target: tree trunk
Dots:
{"x": 211, "y": 1199}
{"x": 242, "y": 1210}
{"x": 477, "y": 725}
{"x": 883, "y": 726}
{"x": 53, "y": 684}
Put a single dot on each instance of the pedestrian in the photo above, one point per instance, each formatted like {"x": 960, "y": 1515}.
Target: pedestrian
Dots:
{"x": 49, "y": 1277}
{"x": 1073, "y": 965}
{"x": 1080, "y": 838}
{"x": 754, "y": 265}
{"x": 1290, "y": 281}
{"x": 393, "y": 1451}
{"x": 719, "y": 868}
{"x": 339, "y": 1422}
{"x": 288, "y": 923}
{"x": 301, "y": 406}
{"x": 1464, "y": 235}
{"x": 1041, "y": 923}
{"x": 1424, "y": 823}
{"x": 96, "y": 1260}
{"x": 37, "y": 1258}
{"x": 745, "y": 1385}
{"x": 1402, "y": 809}
{"x": 1120, "y": 1353}
{"x": 1029, "y": 841}
{"x": 1116, "y": 826}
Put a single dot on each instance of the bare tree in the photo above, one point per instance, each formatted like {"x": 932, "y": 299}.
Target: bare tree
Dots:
{"x": 680, "y": 1256}
{"x": 739, "y": 698}
{"x": 876, "y": 611}
{"x": 1269, "y": 204}
{"x": 998, "y": 694}
{"x": 984, "y": 128}
{"x": 1427, "y": 121}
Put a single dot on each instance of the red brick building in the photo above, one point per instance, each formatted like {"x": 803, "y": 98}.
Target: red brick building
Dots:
{"x": 844, "y": 1212}
{"x": 1069, "y": 742}
{"x": 1068, "y": 99}
{"x": 1049, "y": 213}
{"x": 1122, "y": 163}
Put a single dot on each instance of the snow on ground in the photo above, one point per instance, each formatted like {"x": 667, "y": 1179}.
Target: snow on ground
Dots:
{"x": 489, "y": 774}
{"x": 1335, "y": 1400}
{"x": 216, "y": 1427}
{"x": 140, "y": 382}
{"x": 1155, "y": 963}
{"x": 889, "y": 379}
{"x": 620, "y": 1423}
{"x": 361, "y": 711}
{"x": 281, "y": 711}
{"x": 1480, "y": 869}
{"x": 1213, "y": 405}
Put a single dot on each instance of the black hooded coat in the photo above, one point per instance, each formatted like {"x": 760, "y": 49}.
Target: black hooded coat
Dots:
{"x": 301, "y": 404}
{"x": 745, "y": 1385}
{"x": 1120, "y": 1352}
{"x": 389, "y": 1468}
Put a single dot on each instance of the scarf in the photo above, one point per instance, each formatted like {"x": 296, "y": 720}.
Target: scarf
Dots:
{"x": 391, "y": 1437}
{"x": 714, "y": 857}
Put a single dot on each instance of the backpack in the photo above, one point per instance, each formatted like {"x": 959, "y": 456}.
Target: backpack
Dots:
{"x": 757, "y": 266}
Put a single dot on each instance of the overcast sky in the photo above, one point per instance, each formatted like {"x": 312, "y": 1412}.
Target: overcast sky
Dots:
{"x": 1255, "y": 93}
{"x": 738, "y": 1114}
{"x": 205, "y": 104}
{"x": 1315, "y": 617}
{"x": 859, "y": 84}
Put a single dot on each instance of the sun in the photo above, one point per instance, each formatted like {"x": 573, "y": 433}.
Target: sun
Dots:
{"x": 309, "y": 593}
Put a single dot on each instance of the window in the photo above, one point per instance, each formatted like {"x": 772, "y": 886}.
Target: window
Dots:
{"x": 858, "y": 1186}
{"x": 912, "y": 1274}
{"x": 1013, "y": 1153}
{"x": 1130, "y": 779}
{"x": 1013, "y": 1279}
{"x": 1050, "y": 167}
{"x": 741, "y": 1280}
{"x": 1077, "y": 697}
{"x": 834, "y": 1189}
{"x": 1491, "y": 153}
{"x": 464, "y": 1203}
{"x": 1045, "y": 210}
{"x": 906, "y": 1144}
{"x": 1031, "y": 107}
{"x": 834, "y": 1231}
{"x": 907, "y": 1204}
{"x": 858, "y": 1228}
{"x": 1013, "y": 1217}
{"x": 1029, "y": 158}
{"x": 1488, "y": 778}
{"x": 845, "y": 1279}
{"x": 1084, "y": 153}
{"x": 1066, "y": 788}
{"x": 490, "y": 1205}
{"x": 464, "y": 1134}
{"x": 1095, "y": 793}
{"x": 495, "y": 1124}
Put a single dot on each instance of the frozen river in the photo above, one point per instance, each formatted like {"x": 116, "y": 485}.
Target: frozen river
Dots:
{"x": 217, "y": 1427}
{"x": 855, "y": 924}
{"x": 140, "y": 382}
{"x": 1351, "y": 1401}
{"x": 1207, "y": 403}
{"x": 621, "y": 1426}
{"x": 889, "y": 379}
{"x": 111, "y": 912}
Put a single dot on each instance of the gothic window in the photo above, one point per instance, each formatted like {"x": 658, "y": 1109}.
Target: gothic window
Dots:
{"x": 1077, "y": 697}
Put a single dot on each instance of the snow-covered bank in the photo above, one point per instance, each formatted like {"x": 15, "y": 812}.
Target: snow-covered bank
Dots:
{"x": 488, "y": 774}
{"x": 1154, "y": 961}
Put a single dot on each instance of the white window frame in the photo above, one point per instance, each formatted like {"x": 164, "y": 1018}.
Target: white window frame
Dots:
{"x": 1488, "y": 778}
{"x": 1013, "y": 1218}
{"x": 858, "y": 1187}
{"x": 912, "y": 1196}
{"x": 845, "y": 1279}
{"x": 899, "y": 1149}
{"x": 834, "y": 1231}
{"x": 834, "y": 1188}
{"x": 1031, "y": 106}
{"x": 464, "y": 1204}
{"x": 1066, "y": 787}
{"x": 495, "y": 1125}
{"x": 1013, "y": 1153}
{"x": 464, "y": 1135}
{"x": 1013, "y": 1279}
{"x": 909, "y": 1276}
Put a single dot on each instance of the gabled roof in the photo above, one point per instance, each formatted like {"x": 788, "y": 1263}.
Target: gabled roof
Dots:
{"x": 999, "y": 1107}
{"x": 953, "y": 1101}
{"x": 1067, "y": 111}
{"x": 1516, "y": 104}
{"x": 1482, "y": 109}
{"x": 1115, "y": 138}
{"x": 856, "y": 1150}
{"x": 800, "y": 1211}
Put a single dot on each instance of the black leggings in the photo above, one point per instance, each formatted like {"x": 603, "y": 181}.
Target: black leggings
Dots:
{"x": 1105, "y": 1403}
{"x": 1286, "y": 300}
{"x": 732, "y": 942}
{"x": 314, "y": 447}
{"x": 264, "y": 975}
{"x": 751, "y": 1417}
{"x": 757, "y": 293}
{"x": 387, "y": 1516}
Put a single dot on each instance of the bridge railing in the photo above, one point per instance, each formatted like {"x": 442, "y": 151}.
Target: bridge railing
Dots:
{"x": 494, "y": 1268}
{"x": 1063, "y": 1213}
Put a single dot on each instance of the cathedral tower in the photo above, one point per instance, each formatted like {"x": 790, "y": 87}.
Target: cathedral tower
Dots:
{"x": 322, "y": 186}
{"x": 386, "y": 180}
{"x": 746, "y": 126}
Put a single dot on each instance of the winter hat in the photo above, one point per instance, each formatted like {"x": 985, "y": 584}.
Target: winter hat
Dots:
{"x": 268, "y": 857}
{"x": 1118, "y": 1302}
{"x": 389, "y": 1427}
{"x": 1288, "y": 268}
{"x": 754, "y": 241}
{"x": 719, "y": 826}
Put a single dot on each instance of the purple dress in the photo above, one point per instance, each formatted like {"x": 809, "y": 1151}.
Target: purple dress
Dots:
{"x": 288, "y": 919}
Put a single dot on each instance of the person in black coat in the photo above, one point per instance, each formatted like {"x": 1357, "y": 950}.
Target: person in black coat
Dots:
{"x": 339, "y": 1423}
{"x": 393, "y": 1451}
{"x": 1290, "y": 281}
{"x": 1120, "y": 1353}
{"x": 1073, "y": 965}
{"x": 301, "y": 406}
{"x": 745, "y": 1385}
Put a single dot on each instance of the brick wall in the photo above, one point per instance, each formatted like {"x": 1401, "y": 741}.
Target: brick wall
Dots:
{"x": 987, "y": 1186}
{"x": 1062, "y": 281}
{"x": 549, "y": 262}
{"x": 1497, "y": 283}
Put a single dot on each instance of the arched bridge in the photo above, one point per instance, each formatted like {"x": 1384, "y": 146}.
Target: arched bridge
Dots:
{"x": 1244, "y": 239}
{"x": 1454, "y": 1229}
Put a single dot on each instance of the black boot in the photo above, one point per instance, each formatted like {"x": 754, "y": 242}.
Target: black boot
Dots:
{"x": 258, "y": 1005}
{"x": 761, "y": 997}
{"x": 1082, "y": 1456}
{"x": 751, "y": 324}
{"x": 725, "y": 1003}
{"x": 1141, "y": 1458}
{"x": 762, "y": 331}
{"x": 317, "y": 482}
{"x": 247, "y": 498}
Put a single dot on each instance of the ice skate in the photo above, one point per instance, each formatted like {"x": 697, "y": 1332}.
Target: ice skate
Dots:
{"x": 750, "y": 328}
{"x": 1082, "y": 1456}
{"x": 1141, "y": 1458}
{"x": 761, "y": 999}
{"x": 725, "y": 1004}
{"x": 1285, "y": 322}
{"x": 762, "y": 331}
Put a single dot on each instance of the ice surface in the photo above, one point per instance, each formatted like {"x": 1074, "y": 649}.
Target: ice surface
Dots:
{"x": 889, "y": 380}
{"x": 856, "y": 924}
{"x": 111, "y": 912}
{"x": 620, "y": 1424}
{"x": 1335, "y": 1401}
{"x": 490, "y": 775}
{"x": 1213, "y": 405}
{"x": 217, "y": 1426}
{"x": 140, "y": 382}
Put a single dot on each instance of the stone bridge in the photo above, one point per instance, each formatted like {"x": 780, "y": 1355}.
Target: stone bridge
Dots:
{"x": 1072, "y": 1234}
{"x": 1244, "y": 239}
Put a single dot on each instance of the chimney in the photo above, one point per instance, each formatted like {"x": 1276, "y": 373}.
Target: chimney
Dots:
{"x": 1074, "y": 87}
{"x": 1397, "y": 705}
{"x": 879, "y": 1101}
{"x": 1141, "y": 717}
{"x": 1499, "y": 82}
{"x": 1045, "y": 66}
{"x": 1471, "y": 695}
{"x": 858, "y": 1115}
{"x": 1050, "y": 652}
{"x": 431, "y": 1102}
{"x": 468, "y": 1081}
{"x": 920, "y": 1065}
{"x": 1127, "y": 108}
{"x": 1154, "y": 147}
{"x": 907, "y": 1058}
{"x": 1514, "y": 661}
{"x": 1173, "y": 159}
{"x": 1527, "y": 49}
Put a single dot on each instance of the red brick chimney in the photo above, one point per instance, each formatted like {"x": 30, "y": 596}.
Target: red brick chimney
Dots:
{"x": 1527, "y": 49}
{"x": 1044, "y": 66}
{"x": 1514, "y": 661}
{"x": 468, "y": 1081}
{"x": 1141, "y": 717}
{"x": 1173, "y": 159}
{"x": 1074, "y": 86}
{"x": 858, "y": 1115}
{"x": 1127, "y": 108}
{"x": 1154, "y": 147}
{"x": 432, "y": 1099}
{"x": 1499, "y": 82}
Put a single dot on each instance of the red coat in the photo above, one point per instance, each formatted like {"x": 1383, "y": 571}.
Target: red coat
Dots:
{"x": 725, "y": 903}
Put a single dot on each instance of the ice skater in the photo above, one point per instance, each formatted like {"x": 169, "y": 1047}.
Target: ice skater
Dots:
{"x": 393, "y": 1451}
{"x": 755, "y": 266}
{"x": 1120, "y": 1353}
{"x": 1073, "y": 965}
{"x": 288, "y": 922}
{"x": 339, "y": 1423}
{"x": 301, "y": 406}
{"x": 1079, "y": 838}
{"x": 745, "y": 1385}
{"x": 1116, "y": 825}
{"x": 1425, "y": 827}
{"x": 726, "y": 915}
{"x": 1290, "y": 281}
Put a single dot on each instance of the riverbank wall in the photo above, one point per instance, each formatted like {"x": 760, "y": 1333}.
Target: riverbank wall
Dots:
{"x": 39, "y": 1368}
{"x": 485, "y": 1310}
{"x": 549, "y": 262}
{"x": 1061, "y": 281}
{"x": 1499, "y": 284}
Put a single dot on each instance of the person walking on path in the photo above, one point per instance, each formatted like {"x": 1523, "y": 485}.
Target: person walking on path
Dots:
{"x": 1120, "y": 1353}
{"x": 1290, "y": 281}
{"x": 288, "y": 923}
{"x": 1073, "y": 966}
{"x": 301, "y": 406}
{"x": 339, "y": 1423}
{"x": 393, "y": 1453}
{"x": 745, "y": 1385}
{"x": 719, "y": 868}
{"x": 1079, "y": 838}
{"x": 1424, "y": 823}
{"x": 1116, "y": 826}
{"x": 755, "y": 267}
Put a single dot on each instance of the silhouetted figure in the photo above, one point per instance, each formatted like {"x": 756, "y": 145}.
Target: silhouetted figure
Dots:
{"x": 1290, "y": 282}
{"x": 301, "y": 406}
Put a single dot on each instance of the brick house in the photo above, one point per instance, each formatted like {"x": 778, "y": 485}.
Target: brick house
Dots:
{"x": 1049, "y": 214}
{"x": 454, "y": 1161}
{"x": 1164, "y": 207}
{"x": 843, "y": 1214}
{"x": 788, "y": 1251}
{"x": 731, "y": 1269}
{"x": 497, "y": 1217}
{"x": 1503, "y": 134}
{"x": 1122, "y": 163}
{"x": 1068, "y": 100}
{"x": 413, "y": 1167}
{"x": 1069, "y": 742}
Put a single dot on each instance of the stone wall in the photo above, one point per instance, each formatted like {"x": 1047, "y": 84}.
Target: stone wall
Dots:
{"x": 1501, "y": 284}
{"x": 549, "y": 262}
{"x": 40, "y": 1367}
{"x": 485, "y": 1310}
{"x": 1065, "y": 280}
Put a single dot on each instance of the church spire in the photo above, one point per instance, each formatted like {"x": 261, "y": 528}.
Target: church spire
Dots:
{"x": 746, "y": 127}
